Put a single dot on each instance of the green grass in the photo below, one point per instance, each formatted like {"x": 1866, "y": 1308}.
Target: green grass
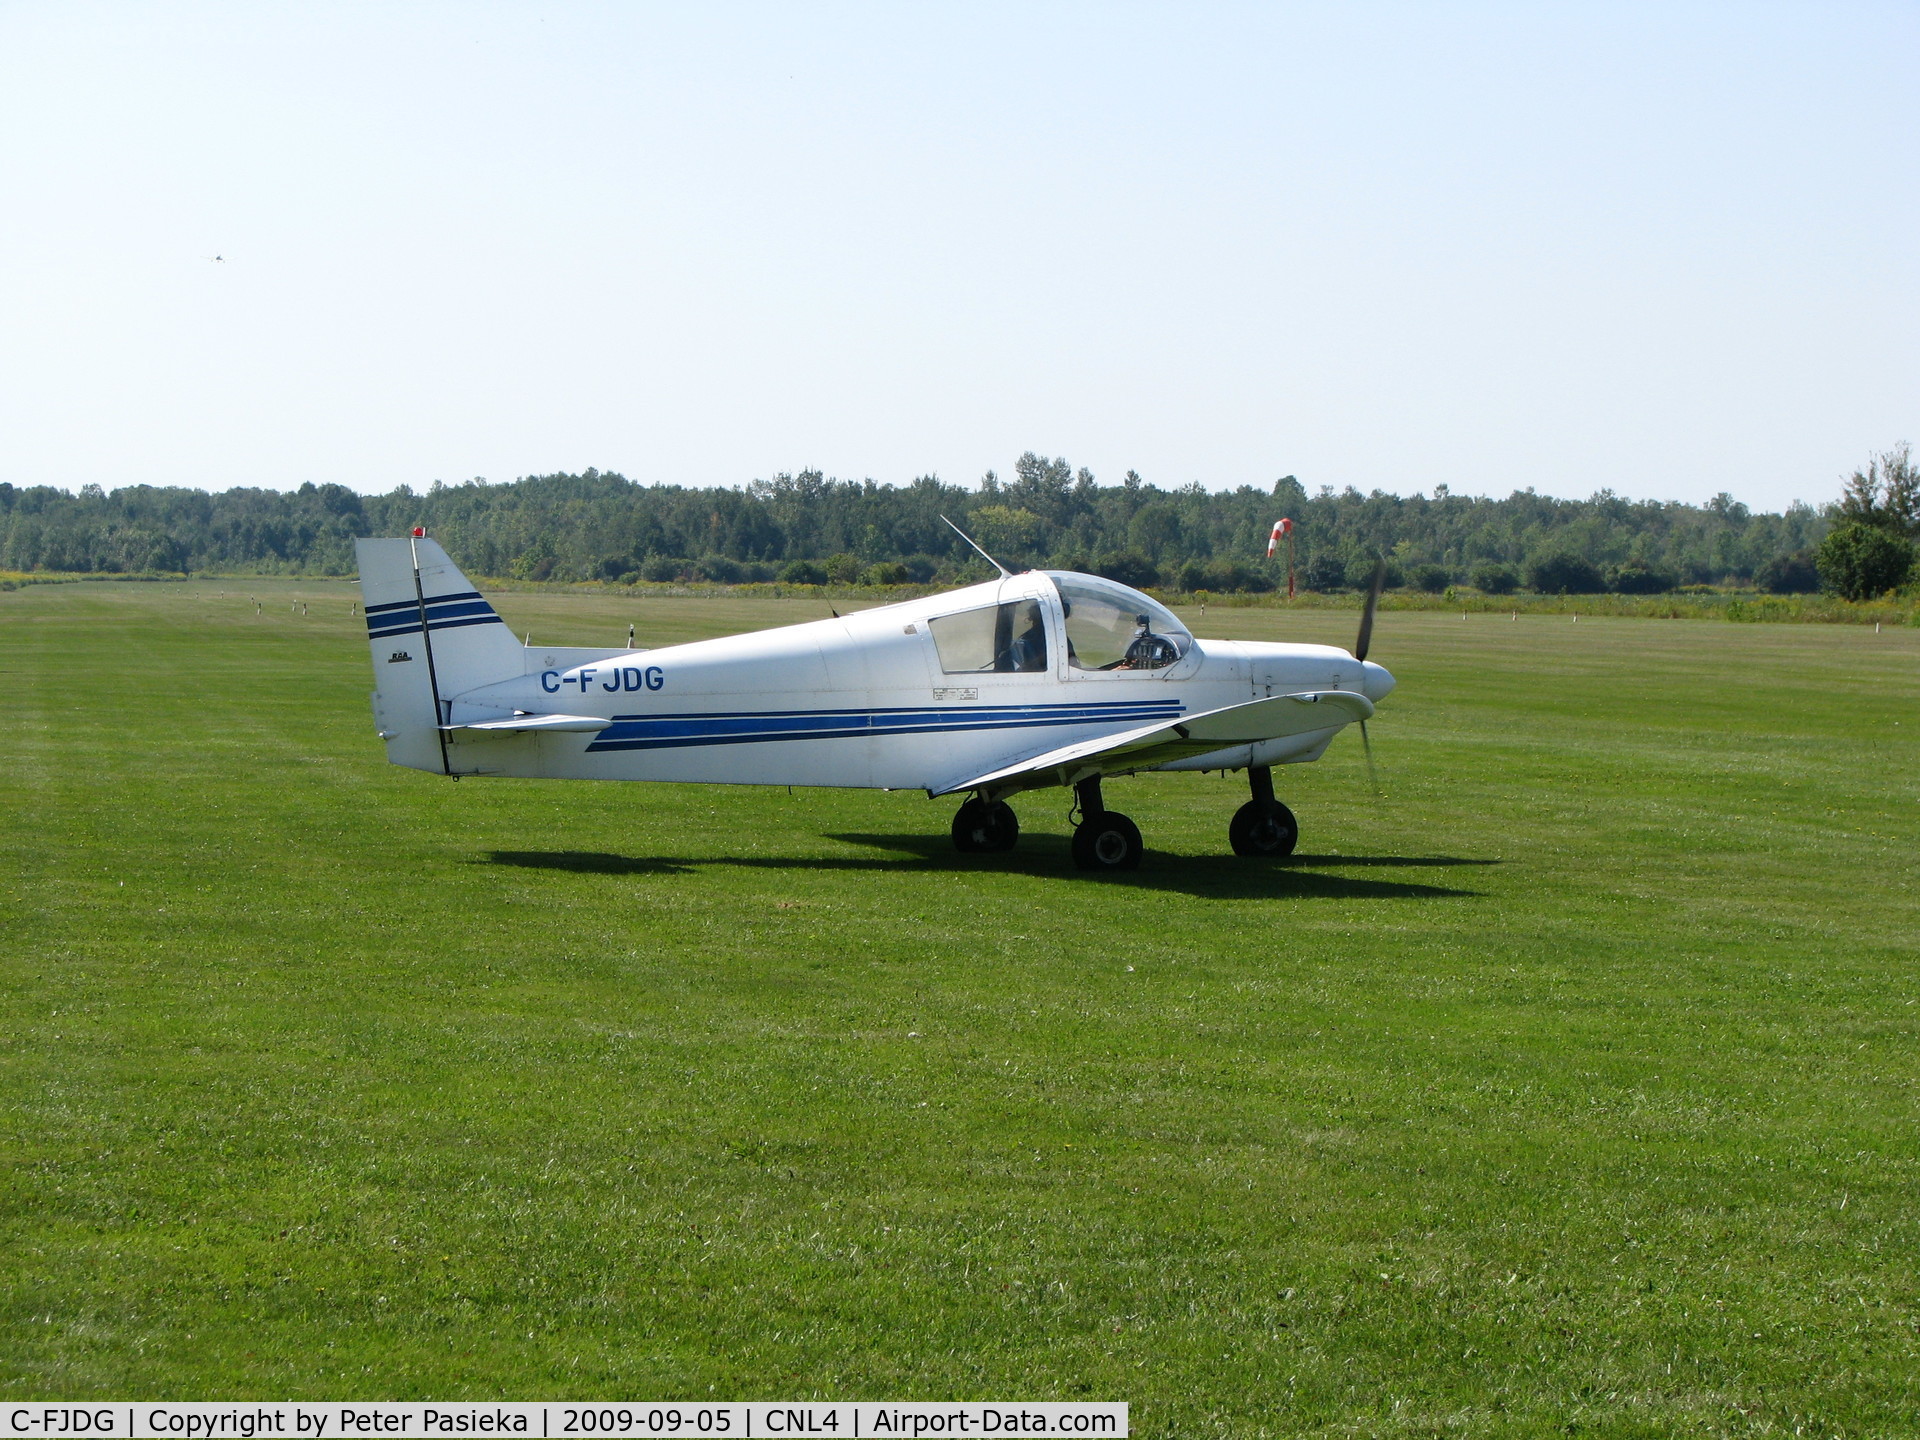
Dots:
{"x": 1570, "y": 1089}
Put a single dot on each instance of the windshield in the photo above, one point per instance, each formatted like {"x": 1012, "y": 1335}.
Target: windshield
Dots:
{"x": 1112, "y": 627}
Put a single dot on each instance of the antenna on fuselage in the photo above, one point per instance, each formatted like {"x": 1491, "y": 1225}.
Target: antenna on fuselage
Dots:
{"x": 1005, "y": 574}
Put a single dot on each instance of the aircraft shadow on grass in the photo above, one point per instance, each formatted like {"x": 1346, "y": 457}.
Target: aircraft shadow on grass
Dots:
{"x": 1219, "y": 876}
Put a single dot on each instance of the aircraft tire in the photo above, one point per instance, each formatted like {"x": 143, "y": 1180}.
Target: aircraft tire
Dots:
{"x": 1263, "y": 830}
{"x": 1107, "y": 841}
{"x": 981, "y": 827}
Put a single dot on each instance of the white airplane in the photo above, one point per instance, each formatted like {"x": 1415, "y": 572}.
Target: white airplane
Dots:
{"x": 1030, "y": 680}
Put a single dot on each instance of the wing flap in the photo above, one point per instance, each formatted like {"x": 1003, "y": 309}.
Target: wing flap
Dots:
{"x": 1270, "y": 719}
{"x": 518, "y": 723}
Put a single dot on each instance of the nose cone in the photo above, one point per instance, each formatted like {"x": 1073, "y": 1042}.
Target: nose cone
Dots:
{"x": 1376, "y": 682}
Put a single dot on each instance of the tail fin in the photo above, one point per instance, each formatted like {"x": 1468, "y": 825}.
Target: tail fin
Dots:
{"x": 433, "y": 636}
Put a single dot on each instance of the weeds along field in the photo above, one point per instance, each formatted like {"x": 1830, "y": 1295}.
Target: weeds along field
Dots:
{"x": 1569, "y": 1087}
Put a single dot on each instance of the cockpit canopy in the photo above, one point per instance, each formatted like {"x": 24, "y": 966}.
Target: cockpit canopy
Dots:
{"x": 1113, "y": 627}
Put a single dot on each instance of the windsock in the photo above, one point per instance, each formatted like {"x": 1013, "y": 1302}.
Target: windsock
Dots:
{"x": 1281, "y": 528}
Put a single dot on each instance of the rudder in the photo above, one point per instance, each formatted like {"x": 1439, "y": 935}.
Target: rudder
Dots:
{"x": 432, "y": 637}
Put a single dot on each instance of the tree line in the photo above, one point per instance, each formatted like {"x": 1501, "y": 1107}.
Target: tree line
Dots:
{"x": 809, "y": 528}
{"x": 1871, "y": 548}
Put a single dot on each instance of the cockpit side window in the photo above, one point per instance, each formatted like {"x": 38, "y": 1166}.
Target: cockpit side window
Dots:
{"x": 1114, "y": 628}
{"x": 1006, "y": 638}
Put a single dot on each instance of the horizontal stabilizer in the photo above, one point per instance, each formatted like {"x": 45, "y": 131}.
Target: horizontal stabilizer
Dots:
{"x": 1270, "y": 719}
{"x": 584, "y": 724}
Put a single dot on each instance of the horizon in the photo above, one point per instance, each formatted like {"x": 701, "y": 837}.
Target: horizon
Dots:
{"x": 1440, "y": 492}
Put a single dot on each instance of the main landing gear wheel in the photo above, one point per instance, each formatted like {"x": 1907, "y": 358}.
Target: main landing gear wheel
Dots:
{"x": 1263, "y": 827}
{"x": 1107, "y": 841}
{"x": 983, "y": 826}
{"x": 1104, "y": 839}
{"x": 1267, "y": 830}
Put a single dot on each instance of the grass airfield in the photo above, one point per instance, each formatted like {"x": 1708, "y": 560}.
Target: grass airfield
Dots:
{"x": 1570, "y": 1088}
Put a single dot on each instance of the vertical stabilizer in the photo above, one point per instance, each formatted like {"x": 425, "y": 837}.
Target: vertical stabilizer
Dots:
{"x": 432, "y": 636}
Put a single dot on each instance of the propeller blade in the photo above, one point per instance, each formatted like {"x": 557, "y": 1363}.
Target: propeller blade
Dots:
{"x": 1366, "y": 744}
{"x": 1366, "y": 616}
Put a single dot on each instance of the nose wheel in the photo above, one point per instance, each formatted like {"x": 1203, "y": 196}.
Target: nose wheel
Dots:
{"x": 1104, "y": 839}
{"x": 983, "y": 826}
{"x": 1263, "y": 827}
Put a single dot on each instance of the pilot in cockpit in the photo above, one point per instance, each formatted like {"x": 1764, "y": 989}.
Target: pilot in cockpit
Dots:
{"x": 1029, "y": 651}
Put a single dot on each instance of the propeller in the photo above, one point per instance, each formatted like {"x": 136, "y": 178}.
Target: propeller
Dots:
{"x": 1362, "y": 643}
{"x": 1374, "y": 588}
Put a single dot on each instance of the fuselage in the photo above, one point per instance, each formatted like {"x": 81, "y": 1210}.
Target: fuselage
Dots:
{"x": 913, "y": 695}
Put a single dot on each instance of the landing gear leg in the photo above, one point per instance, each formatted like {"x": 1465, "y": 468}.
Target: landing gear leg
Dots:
{"x": 981, "y": 826}
{"x": 1263, "y": 826}
{"x": 1104, "y": 839}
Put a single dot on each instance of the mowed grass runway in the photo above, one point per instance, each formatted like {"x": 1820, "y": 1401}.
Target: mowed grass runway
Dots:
{"x": 1570, "y": 1088}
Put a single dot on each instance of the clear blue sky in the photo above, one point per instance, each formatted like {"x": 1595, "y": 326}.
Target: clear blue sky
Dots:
{"x": 1670, "y": 249}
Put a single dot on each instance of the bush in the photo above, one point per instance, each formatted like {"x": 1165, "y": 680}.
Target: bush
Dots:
{"x": 1324, "y": 573}
{"x": 1189, "y": 576}
{"x": 1858, "y": 561}
{"x": 844, "y": 569}
{"x": 803, "y": 572}
{"x": 1233, "y": 577}
{"x": 1636, "y": 577}
{"x": 534, "y": 564}
{"x": 1129, "y": 567}
{"x": 1430, "y": 578}
{"x": 1793, "y": 574}
{"x": 1563, "y": 573}
{"x": 718, "y": 569}
{"x": 885, "y": 572}
{"x": 1492, "y": 578}
{"x": 1360, "y": 574}
{"x": 663, "y": 568}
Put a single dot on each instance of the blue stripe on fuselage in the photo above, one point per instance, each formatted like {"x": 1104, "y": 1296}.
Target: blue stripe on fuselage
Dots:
{"x": 662, "y": 732}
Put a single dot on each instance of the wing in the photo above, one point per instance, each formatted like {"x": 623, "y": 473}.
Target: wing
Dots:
{"x": 1270, "y": 719}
